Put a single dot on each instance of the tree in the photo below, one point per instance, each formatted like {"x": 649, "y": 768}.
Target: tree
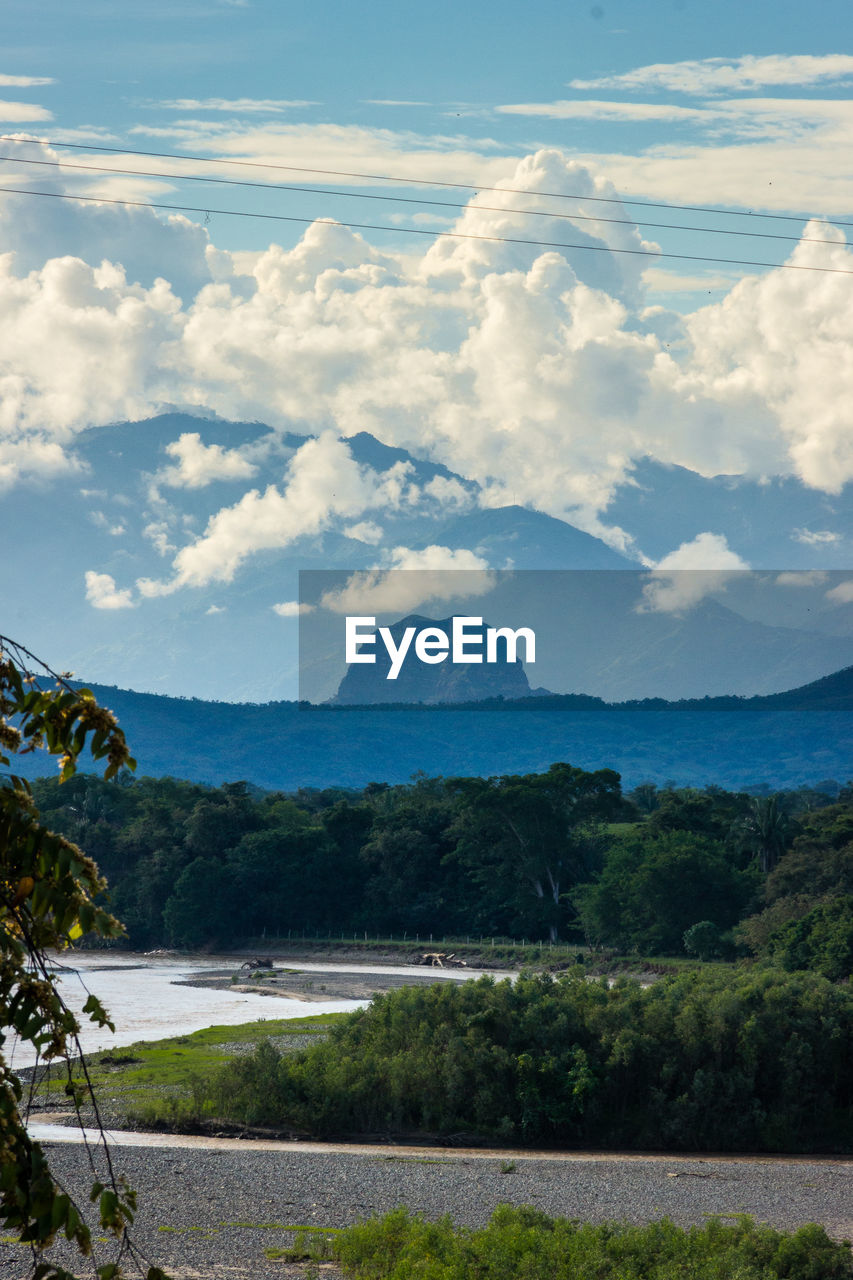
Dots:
{"x": 765, "y": 831}
{"x": 654, "y": 885}
{"x": 527, "y": 840}
{"x": 48, "y": 892}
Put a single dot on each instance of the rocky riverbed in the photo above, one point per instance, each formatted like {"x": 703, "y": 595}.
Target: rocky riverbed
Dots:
{"x": 215, "y": 1213}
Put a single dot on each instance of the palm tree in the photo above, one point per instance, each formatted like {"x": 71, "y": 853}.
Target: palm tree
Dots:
{"x": 766, "y": 831}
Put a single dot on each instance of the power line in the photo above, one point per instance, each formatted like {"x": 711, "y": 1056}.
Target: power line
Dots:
{"x": 421, "y": 231}
{"x": 420, "y": 182}
{"x": 441, "y": 204}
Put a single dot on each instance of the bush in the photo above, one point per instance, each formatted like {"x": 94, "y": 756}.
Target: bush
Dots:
{"x": 822, "y": 939}
{"x": 524, "y": 1244}
{"x": 700, "y": 1061}
{"x": 703, "y": 940}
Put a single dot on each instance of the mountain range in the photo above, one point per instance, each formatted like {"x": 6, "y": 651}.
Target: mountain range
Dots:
{"x": 133, "y": 506}
{"x": 801, "y": 737}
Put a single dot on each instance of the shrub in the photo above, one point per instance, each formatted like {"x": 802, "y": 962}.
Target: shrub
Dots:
{"x": 756, "y": 1061}
{"x": 522, "y": 1242}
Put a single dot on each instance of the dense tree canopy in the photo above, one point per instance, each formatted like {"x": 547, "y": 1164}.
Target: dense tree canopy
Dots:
{"x": 560, "y": 855}
{"x": 704, "y": 1061}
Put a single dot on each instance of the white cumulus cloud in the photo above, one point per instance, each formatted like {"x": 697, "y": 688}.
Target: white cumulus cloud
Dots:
{"x": 102, "y": 592}
{"x": 364, "y": 531}
{"x": 292, "y": 609}
{"x": 198, "y": 464}
{"x": 414, "y": 579}
{"x": 842, "y": 594}
{"x": 323, "y": 481}
{"x": 685, "y": 577}
{"x": 485, "y": 357}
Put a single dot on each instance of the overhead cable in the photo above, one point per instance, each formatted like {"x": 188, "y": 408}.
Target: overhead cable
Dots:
{"x": 418, "y": 200}
{"x": 400, "y": 180}
{"x": 422, "y": 231}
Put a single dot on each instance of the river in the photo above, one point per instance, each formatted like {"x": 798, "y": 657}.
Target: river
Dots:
{"x": 145, "y": 1000}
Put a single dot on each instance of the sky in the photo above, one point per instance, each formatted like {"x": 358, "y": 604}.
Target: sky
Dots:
{"x": 649, "y": 207}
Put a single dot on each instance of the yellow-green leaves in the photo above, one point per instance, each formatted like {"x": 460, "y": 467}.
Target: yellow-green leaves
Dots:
{"x": 48, "y": 899}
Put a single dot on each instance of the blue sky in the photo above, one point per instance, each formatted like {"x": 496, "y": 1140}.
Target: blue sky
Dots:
{"x": 610, "y": 344}
{"x": 732, "y": 105}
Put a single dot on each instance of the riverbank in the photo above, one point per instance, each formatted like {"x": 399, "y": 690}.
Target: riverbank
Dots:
{"x": 317, "y": 982}
{"x": 217, "y": 1214}
{"x": 483, "y": 954}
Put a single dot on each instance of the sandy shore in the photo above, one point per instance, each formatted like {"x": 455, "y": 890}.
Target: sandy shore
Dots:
{"x": 295, "y": 983}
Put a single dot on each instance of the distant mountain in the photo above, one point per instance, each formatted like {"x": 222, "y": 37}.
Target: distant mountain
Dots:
{"x": 115, "y": 516}
{"x": 593, "y": 639}
{"x": 514, "y": 537}
{"x": 831, "y": 693}
{"x": 123, "y": 516}
{"x": 775, "y": 524}
{"x": 784, "y": 740}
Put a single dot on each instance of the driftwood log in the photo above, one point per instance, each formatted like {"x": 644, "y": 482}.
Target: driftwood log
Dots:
{"x": 438, "y": 959}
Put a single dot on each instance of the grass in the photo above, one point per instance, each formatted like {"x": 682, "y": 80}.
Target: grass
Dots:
{"x": 155, "y": 1081}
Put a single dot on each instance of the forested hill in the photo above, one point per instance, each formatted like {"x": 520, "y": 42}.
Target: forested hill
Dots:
{"x": 783, "y": 740}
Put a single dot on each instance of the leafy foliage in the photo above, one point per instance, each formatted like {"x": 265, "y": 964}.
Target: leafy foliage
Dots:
{"x": 807, "y": 922}
{"x": 48, "y": 892}
{"x": 525, "y": 1242}
{"x": 560, "y": 855}
{"x": 705, "y": 1061}
{"x": 654, "y": 885}
{"x": 822, "y": 940}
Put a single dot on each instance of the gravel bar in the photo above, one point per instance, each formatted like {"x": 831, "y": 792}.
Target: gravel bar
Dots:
{"x": 213, "y": 1213}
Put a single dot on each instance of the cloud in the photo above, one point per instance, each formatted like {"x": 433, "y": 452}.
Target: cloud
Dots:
{"x": 578, "y": 109}
{"x": 102, "y": 593}
{"x": 816, "y": 537}
{"x": 214, "y": 609}
{"x": 450, "y": 493}
{"x": 486, "y": 357}
{"x": 33, "y": 456}
{"x": 842, "y": 594}
{"x": 236, "y": 106}
{"x": 148, "y": 247}
{"x": 56, "y": 326}
{"x": 663, "y": 281}
{"x": 199, "y": 464}
{"x": 783, "y": 340}
{"x": 716, "y": 75}
{"x": 696, "y": 569}
{"x": 292, "y": 609}
{"x": 16, "y": 112}
{"x": 365, "y": 531}
{"x": 357, "y": 150}
{"x": 24, "y": 82}
{"x": 439, "y": 559}
{"x": 323, "y": 481}
{"x": 157, "y": 533}
{"x": 415, "y": 579}
{"x": 781, "y": 121}
{"x": 802, "y": 578}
